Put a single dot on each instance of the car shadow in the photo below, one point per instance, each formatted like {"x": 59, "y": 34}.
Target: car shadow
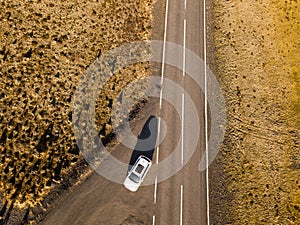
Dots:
{"x": 146, "y": 141}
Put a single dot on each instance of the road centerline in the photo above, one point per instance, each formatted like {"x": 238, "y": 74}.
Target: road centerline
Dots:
{"x": 182, "y": 127}
{"x": 155, "y": 189}
{"x": 181, "y": 204}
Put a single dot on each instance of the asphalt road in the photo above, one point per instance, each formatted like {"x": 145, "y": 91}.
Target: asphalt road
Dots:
{"x": 180, "y": 199}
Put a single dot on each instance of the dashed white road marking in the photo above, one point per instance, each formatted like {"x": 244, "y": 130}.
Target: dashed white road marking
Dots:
{"x": 155, "y": 189}
{"x": 153, "y": 220}
{"x": 181, "y": 203}
{"x": 182, "y": 128}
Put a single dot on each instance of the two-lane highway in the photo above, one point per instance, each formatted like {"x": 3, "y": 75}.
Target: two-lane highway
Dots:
{"x": 182, "y": 199}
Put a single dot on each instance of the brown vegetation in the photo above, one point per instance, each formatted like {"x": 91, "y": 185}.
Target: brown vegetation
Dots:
{"x": 45, "y": 47}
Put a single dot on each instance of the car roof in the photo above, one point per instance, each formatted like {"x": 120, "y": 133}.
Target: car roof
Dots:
{"x": 142, "y": 160}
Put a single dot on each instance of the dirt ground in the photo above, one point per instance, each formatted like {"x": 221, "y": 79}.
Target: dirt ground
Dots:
{"x": 45, "y": 47}
{"x": 256, "y": 46}
{"x": 254, "y": 52}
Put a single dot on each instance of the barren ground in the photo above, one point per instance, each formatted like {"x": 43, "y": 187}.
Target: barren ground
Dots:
{"x": 254, "y": 52}
{"x": 45, "y": 47}
{"x": 256, "y": 45}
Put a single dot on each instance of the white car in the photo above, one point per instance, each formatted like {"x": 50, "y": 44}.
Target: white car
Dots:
{"x": 137, "y": 173}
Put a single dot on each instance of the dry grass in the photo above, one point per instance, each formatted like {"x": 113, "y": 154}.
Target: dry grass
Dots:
{"x": 45, "y": 47}
{"x": 257, "y": 55}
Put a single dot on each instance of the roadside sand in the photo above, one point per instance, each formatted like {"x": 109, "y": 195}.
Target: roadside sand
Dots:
{"x": 257, "y": 48}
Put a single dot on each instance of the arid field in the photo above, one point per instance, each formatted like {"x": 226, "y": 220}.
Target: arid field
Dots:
{"x": 257, "y": 51}
{"x": 254, "y": 50}
{"x": 45, "y": 47}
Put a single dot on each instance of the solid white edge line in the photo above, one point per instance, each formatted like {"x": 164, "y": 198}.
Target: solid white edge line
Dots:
{"x": 184, "y": 44}
{"x": 153, "y": 220}
{"x": 155, "y": 189}
{"x": 181, "y": 203}
{"x": 158, "y": 128}
{"x": 160, "y": 97}
{"x": 182, "y": 127}
{"x": 164, "y": 53}
{"x": 158, "y": 139}
{"x": 165, "y": 39}
{"x": 157, "y": 152}
{"x": 205, "y": 110}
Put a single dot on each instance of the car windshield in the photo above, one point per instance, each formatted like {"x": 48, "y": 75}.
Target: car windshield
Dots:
{"x": 134, "y": 178}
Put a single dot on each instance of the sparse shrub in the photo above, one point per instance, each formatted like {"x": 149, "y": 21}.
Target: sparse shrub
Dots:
{"x": 44, "y": 49}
